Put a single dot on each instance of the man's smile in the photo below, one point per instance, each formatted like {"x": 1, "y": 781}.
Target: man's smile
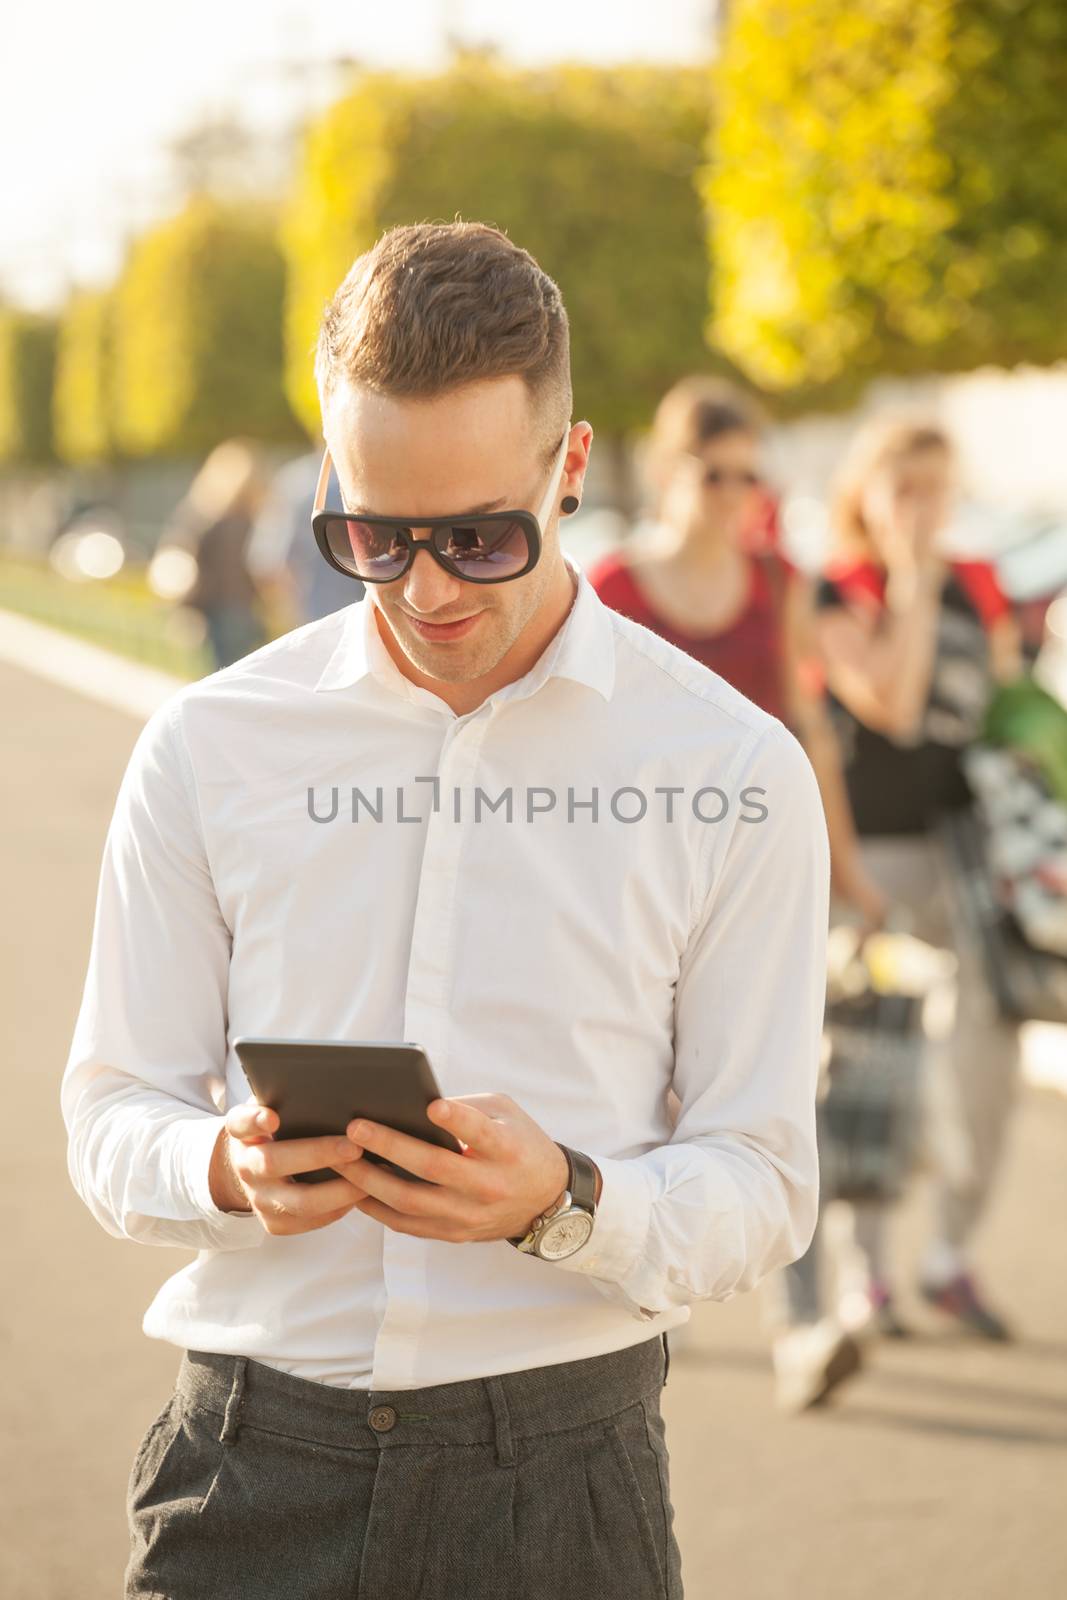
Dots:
{"x": 443, "y": 630}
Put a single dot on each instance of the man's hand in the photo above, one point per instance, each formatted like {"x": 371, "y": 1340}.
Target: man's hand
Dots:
{"x": 509, "y": 1171}
{"x": 249, "y": 1170}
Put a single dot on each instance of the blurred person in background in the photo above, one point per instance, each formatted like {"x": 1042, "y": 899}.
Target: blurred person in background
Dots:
{"x": 708, "y": 577}
{"x": 282, "y": 553}
{"x": 213, "y": 523}
{"x": 912, "y": 643}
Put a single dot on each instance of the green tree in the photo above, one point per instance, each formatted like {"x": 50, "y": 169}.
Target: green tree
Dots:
{"x": 83, "y": 407}
{"x": 198, "y": 333}
{"x": 887, "y": 191}
{"x": 591, "y": 171}
{"x": 27, "y": 369}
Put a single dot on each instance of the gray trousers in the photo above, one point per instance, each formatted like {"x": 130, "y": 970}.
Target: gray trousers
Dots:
{"x": 255, "y": 1484}
{"x": 972, "y": 1075}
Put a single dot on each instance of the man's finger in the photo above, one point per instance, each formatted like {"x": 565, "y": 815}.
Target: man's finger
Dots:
{"x": 404, "y": 1222}
{"x": 250, "y": 1120}
{"x": 281, "y": 1158}
{"x": 426, "y": 1160}
{"x": 406, "y": 1197}
{"x": 461, "y": 1116}
{"x": 304, "y": 1203}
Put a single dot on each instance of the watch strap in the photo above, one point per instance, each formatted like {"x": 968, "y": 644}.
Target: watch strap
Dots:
{"x": 582, "y": 1179}
{"x": 580, "y": 1191}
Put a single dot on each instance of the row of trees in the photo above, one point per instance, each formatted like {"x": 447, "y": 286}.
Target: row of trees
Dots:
{"x": 881, "y": 188}
{"x": 211, "y": 327}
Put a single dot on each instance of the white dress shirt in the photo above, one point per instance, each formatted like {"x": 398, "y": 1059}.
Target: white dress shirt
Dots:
{"x": 582, "y": 964}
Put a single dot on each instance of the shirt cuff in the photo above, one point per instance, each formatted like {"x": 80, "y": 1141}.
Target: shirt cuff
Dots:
{"x": 233, "y": 1230}
{"x": 621, "y": 1224}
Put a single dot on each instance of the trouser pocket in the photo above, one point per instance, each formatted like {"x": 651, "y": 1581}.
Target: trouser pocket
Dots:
{"x": 152, "y": 1450}
{"x": 259, "y": 1512}
{"x": 638, "y": 1440}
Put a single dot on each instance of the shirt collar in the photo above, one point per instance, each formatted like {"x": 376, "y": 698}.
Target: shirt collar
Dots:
{"x": 583, "y": 650}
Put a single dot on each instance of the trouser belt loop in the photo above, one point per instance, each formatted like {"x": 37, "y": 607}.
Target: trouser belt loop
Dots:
{"x": 505, "y": 1443}
{"x": 231, "y": 1421}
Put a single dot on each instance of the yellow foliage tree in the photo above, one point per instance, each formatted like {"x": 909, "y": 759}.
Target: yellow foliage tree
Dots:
{"x": 198, "y": 333}
{"x": 82, "y": 403}
{"x": 887, "y": 190}
{"x": 27, "y": 367}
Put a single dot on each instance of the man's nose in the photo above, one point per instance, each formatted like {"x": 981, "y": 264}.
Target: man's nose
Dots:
{"x": 428, "y": 587}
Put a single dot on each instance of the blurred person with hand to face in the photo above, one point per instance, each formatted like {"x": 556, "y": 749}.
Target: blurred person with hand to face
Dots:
{"x": 913, "y": 642}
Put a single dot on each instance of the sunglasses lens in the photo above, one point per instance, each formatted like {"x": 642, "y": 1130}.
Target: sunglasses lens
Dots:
{"x": 365, "y": 549}
{"x": 715, "y": 477}
{"x": 483, "y": 550}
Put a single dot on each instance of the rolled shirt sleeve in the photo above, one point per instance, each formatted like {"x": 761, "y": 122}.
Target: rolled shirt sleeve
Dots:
{"x": 149, "y": 1044}
{"x": 735, "y": 1192}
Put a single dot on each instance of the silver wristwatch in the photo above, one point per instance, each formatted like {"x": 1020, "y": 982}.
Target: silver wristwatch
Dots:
{"x": 568, "y": 1222}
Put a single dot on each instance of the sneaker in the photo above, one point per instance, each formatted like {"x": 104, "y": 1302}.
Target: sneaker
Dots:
{"x": 870, "y": 1310}
{"x": 810, "y": 1361}
{"x": 884, "y": 1319}
{"x": 959, "y": 1298}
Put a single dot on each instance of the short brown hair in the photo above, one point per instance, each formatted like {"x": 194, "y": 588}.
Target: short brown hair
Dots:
{"x": 436, "y": 305}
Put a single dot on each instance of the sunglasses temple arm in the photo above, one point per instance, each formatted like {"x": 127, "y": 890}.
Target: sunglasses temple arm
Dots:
{"x": 324, "y": 478}
{"x": 544, "y": 510}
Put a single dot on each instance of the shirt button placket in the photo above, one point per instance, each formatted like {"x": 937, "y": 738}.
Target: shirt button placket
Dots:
{"x": 426, "y": 1021}
{"x": 433, "y": 942}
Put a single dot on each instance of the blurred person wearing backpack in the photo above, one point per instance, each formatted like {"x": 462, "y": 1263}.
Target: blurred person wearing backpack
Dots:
{"x": 913, "y": 642}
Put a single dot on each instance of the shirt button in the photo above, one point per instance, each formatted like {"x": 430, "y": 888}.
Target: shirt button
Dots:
{"x": 382, "y": 1418}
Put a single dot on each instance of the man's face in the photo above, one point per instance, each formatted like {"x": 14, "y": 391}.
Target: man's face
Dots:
{"x": 477, "y": 448}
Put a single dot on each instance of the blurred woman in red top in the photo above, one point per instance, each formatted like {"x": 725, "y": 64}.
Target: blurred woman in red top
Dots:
{"x": 706, "y": 577}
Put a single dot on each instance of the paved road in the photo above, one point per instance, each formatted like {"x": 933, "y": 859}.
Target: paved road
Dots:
{"x": 941, "y": 1471}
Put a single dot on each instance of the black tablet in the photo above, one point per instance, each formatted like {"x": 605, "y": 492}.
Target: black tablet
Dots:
{"x": 317, "y": 1086}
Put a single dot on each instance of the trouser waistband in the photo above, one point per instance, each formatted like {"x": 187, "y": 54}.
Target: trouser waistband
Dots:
{"x": 498, "y": 1409}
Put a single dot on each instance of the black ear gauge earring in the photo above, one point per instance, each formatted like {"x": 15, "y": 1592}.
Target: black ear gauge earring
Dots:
{"x": 569, "y": 503}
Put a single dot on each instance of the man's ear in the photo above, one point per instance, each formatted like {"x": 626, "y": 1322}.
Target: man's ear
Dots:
{"x": 582, "y": 440}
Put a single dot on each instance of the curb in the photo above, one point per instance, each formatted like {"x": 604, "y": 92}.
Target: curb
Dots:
{"x": 84, "y": 668}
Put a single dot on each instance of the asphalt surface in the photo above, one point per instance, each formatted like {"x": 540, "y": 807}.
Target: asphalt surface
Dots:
{"x": 940, "y": 1471}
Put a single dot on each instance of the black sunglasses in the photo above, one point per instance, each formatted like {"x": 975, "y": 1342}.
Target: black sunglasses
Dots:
{"x": 492, "y": 547}
{"x": 714, "y": 477}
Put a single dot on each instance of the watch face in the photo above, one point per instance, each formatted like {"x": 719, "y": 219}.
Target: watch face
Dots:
{"x": 564, "y": 1235}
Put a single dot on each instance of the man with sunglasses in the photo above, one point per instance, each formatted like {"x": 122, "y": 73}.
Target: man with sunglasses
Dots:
{"x": 605, "y": 880}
